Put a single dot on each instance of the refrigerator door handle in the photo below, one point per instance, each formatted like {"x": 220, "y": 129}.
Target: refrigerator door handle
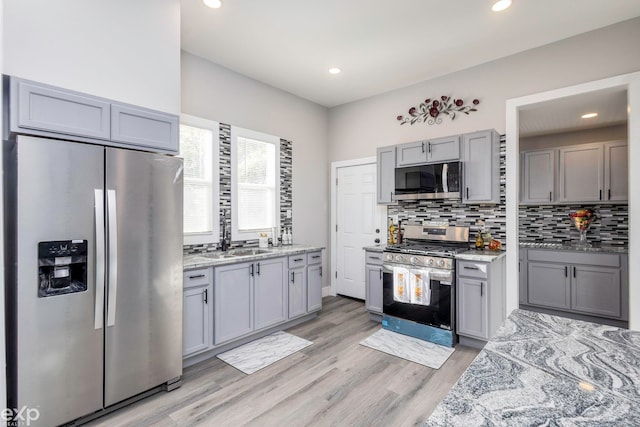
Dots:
{"x": 99, "y": 218}
{"x": 113, "y": 257}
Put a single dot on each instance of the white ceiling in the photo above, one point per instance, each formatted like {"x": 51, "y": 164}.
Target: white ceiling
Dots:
{"x": 380, "y": 45}
{"x": 564, "y": 114}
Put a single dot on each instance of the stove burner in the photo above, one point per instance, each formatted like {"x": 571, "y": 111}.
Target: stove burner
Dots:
{"x": 428, "y": 249}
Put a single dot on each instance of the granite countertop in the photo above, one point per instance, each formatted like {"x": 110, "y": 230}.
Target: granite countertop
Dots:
{"x": 569, "y": 247}
{"x": 374, "y": 248}
{"x": 213, "y": 259}
{"x": 484, "y": 255}
{"x": 547, "y": 370}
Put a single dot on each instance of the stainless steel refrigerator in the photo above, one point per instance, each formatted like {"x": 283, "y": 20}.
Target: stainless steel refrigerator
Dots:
{"x": 94, "y": 275}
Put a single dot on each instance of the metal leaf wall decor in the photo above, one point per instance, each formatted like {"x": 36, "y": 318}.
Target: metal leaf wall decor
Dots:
{"x": 431, "y": 111}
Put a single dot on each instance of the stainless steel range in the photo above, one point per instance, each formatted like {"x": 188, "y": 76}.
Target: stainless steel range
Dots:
{"x": 419, "y": 282}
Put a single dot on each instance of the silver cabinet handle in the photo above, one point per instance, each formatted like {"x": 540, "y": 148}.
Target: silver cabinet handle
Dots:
{"x": 258, "y": 269}
{"x": 609, "y": 194}
{"x": 315, "y": 256}
{"x": 320, "y": 271}
{"x": 481, "y": 288}
{"x": 197, "y": 276}
{"x": 600, "y": 197}
{"x": 429, "y": 147}
{"x": 298, "y": 259}
{"x": 423, "y": 146}
{"x": 471, "y": 268}
{"x": 205, "y": 294}
{"x": 293, "y": 277}
{"x": 251, "y": 270}
{"x": 380, "y": 274}
{"x": 374, "y": 257}
{"x": 113, "y": 257}
{"x": 98, "y": 321}
{"x": 550, "y": 197}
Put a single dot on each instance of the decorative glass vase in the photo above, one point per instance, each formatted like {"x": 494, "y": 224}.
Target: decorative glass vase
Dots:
{"x": 582, "y": 220}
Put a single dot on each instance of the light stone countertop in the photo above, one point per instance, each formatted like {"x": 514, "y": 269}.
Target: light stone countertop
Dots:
{"x": 569, "y": 247}
{"x": 214, "y": 259}
{"x": 548, "y": 370}
{"x": 484, "y": 255}
{"x": 374, "y": 248}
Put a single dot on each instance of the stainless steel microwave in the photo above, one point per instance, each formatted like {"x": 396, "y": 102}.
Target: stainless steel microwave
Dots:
{"x": 434, "y": 181}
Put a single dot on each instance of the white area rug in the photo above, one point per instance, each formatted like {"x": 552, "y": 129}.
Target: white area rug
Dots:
{"x": 423, "y": 352}
{"x": 253, "y": 356}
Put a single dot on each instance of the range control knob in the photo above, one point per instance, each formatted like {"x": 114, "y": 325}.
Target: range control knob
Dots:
{"x": 399, "y": 258}
{"x": 441, "y": 263}
{"x": 431, "y": 261}
{"x": 413, "y": 260}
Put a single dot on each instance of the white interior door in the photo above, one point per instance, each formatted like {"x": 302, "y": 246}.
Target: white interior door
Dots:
{"x": 359, "y": 223}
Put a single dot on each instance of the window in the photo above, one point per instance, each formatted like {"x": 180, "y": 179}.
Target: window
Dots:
{"x": 199, "y": 147}
{"x": 255, "y": 183}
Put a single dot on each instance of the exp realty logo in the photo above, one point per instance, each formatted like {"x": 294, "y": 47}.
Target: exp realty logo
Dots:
{"x": 19, "y": 417}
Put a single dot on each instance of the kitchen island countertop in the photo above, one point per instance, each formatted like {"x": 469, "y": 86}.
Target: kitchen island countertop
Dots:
{"x": 214, "y": 259}
{"x": 568, "y": 247}
{"x": 547, "y": 370}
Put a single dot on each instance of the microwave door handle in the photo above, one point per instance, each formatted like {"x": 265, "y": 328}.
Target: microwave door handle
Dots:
{"x": 113, "y": 257}
{"x": 100, "y": 261}
{"x": 445, "y": 178}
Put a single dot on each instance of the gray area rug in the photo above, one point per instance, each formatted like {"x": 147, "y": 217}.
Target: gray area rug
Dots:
{"x": 415, "y": 350}
{"x": 258, "y": 354}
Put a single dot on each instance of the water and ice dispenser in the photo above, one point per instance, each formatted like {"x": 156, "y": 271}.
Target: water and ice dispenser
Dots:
{"x": 62, "y": 267}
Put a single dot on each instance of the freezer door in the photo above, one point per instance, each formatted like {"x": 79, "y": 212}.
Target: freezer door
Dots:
{"x": 58, "y": 355}
{"x": 143, "y": 341}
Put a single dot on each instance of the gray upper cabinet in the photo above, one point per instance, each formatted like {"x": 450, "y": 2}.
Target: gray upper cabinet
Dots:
{"x": 386, "y": 175}
{"x": 443, "y": 149}
{"x": 581, "y": 173}
{"x": 40, "y": 109}
{"x": 616, "y": 177}
{"x": 270, "y": 288}
{"x": 145, "y": 128}
{"x": 412, "y": 153}
{"x": 481, "y": 167}
{"x": 538, "y": 176}
{"x": 49, "y": 109}
{"x": 428, "y": 151}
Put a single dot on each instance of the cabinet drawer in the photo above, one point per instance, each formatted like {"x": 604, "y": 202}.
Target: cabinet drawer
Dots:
{"x": 198, "y": 277}
{"x": 299, "y": 260}
{"x": 473, "y": 269}
{"x": 567, "y": 257}
{"x": 373, "y": 258}
{"x": 314, "y": 257}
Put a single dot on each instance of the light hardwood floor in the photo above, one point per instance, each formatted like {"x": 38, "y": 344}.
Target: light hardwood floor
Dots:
{"x": 334, "y": 382}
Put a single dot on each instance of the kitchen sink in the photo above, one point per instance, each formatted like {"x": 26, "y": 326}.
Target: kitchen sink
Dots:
{"x": 219, "y": 255}
{"x": 243, "y": 252}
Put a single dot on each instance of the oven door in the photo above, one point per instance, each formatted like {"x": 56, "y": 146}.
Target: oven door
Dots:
{"x": 439, "y": 312}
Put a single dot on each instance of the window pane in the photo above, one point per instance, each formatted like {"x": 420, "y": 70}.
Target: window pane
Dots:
{"x": 196, "y": 148}
{"x": 197, "y": 207}
{"x": 256, "y": 184}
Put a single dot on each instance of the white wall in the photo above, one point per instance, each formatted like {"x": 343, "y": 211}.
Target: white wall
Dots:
{"x": 120, "y": 49}
{"x": 216, "y": 93}
{"x": 356, "y": 129}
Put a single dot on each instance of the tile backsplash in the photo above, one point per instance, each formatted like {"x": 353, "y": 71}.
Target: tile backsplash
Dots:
{"x": 457, "y": 213}
{"x": 286, "y": 194}
{"x": 551, "y": 224}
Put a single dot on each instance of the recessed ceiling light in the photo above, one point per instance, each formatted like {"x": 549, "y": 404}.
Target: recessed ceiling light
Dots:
{"x": 335, "y": 70}
{"x": 214, "y": 4}
{"x": 589, "y": 115}
{"x": 501, "y": 5}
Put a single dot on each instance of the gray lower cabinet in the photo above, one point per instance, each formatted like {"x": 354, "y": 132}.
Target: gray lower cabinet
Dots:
{"x": 297, "y": 292}
{"x": 481, "y": 167}
{"x": 314, "y": 281}
{"x": 386, "y": 174}
{"x": 197, "y": 319}
{"x": 481, "y": 297}
{"x": 270, "y": 292}
{"x": 47, "y": 110}
{"x": 234, "y": 302}
{"x": 589, "y": 283}
{"x": 373, "y": 278}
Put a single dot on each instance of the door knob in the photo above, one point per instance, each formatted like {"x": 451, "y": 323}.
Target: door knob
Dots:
{"x": 377, "y": 230}
{"x": 377, "y": 240}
